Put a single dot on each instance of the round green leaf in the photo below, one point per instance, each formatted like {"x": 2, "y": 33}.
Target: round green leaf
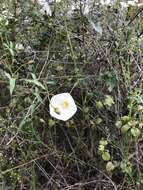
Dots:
{"x": 106, "y": 156}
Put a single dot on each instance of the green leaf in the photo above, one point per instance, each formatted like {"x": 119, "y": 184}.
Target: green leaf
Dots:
{"x": 32, "y": 108}
{"x": 99, "y": 105}
{"x": 12, "y": 85}
{"x": 51, "y": 122}
{"x": 12, "y": 82}
{"x": 106, "y": 156}
{"x": 96, "y": 26}
{"x": 126, "y": 167}
{"x": 110, "y": 79}
{"x": 108, "y": 101}
{"x": 35, "y": 81}
{"x": 9, "y": 47}
{"x": 36, "y": 93}
{"x": 98, "y": 120}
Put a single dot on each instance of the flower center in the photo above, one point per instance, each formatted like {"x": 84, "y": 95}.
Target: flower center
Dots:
{"x": 65, "y": 104}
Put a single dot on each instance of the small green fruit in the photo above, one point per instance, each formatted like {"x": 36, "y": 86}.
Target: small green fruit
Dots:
{"x": 99, "y": 105}
{"x": 101, "y": 148}
{"x": 125, "y": 128}
{"x": 51, "y": 122}
{"x": 118, "y": 124}
{"x": 110, "y": 166}
{"x": 140, "y": 108}
{"x": 135, "y": 132}
{"x": 106, "y": 156}
{"x": 141, "y": 125}
{"x": 98, "y": 120}
{"x": 103, "y": 142}
{"x": 108, "y": 101}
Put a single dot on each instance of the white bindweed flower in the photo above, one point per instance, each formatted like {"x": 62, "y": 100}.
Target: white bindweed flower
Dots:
{"x": 124, "y": 5}
{"x": 45, "y": 7}
{"x": 57, "y": 1}
{"x": 62, "y": 106}
{"x": 19, "y": 47}
{"x": 28, "y": 49}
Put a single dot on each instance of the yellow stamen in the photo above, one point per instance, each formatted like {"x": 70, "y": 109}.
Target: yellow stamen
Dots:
{"x": 65, "y": 104}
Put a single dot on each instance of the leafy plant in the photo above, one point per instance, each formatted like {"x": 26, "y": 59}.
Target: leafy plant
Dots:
{"x": 12, "y": 82}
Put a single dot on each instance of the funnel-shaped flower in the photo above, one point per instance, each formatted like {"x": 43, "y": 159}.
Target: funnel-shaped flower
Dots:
{"x": 62, "y": 106}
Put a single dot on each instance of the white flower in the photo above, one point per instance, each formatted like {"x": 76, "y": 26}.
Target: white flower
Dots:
{"x": 62, "y": 106}
{"x": 46, "y": 10}
{"x": 45, "y": 7}
{"x": 19, "y": 47}
{"x": 105, "y": 2}
{"x": 86, "y": 9}
{"x": 58, "y": 1}
{"x": 28, "y": 49}
{"x": 124, "y": 5}
{"x": 132, "y": 3}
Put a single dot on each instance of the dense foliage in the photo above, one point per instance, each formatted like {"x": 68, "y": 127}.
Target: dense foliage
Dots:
{"x": 98, "y": 58}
